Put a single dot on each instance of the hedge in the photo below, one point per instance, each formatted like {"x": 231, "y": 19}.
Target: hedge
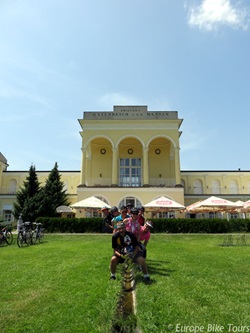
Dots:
{"x": 212, "y": 226}
{"x": 95, "y": 225}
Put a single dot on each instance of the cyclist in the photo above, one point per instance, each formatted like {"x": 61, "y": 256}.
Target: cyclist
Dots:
{"x": 124, "y": 243}
{"x": 132, "y": 223}
{"x": 107, "y": 225}
{"x": 145, "y": 236}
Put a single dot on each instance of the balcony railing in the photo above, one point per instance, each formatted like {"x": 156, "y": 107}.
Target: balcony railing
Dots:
{"x": 158, "y": 182}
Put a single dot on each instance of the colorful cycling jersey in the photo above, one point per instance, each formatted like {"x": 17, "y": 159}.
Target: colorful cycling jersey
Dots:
{"x": 122, "y": 243}
{"x": 144, "y": 235}
{"x": 133, "y": 226}
{"x": 116, "y": 219}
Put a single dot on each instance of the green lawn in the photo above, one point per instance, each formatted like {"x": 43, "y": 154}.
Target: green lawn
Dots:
{"x": 62, "y": 286}
{"x": 196, "y": 282}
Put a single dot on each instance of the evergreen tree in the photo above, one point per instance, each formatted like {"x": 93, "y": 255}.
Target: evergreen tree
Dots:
{"x": 28, "y": 202}
{"x": 53, "y": 193}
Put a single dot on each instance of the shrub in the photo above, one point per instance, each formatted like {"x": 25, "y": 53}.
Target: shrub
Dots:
{"x": 94, "y": 225}
{"x": 200, "y": 225}
{"x": 71, "y": 225}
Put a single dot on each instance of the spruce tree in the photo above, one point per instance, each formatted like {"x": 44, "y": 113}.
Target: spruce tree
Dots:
{"x": 28, "y": 202}
{"x": 53, "y": 193}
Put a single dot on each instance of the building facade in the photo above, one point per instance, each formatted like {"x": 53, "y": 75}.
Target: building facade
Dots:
{"x": 131, "y": 155}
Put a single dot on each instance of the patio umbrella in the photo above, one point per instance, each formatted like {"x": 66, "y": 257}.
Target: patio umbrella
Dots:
{"x": 63, "y": 209}
{"x": 91, "y": 202}
{"x": 212, "y": 204}
{"x": 238, "y": 209}
{"x": 246, "y": 207}
{"x": 163, "y": 204}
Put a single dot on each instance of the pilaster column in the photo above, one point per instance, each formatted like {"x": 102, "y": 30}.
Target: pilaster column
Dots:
{"x": 114, "y": 179}
{"x": 83, "y": 169}
{"x": 224, "y": 187}
{"x": 241, "y": 185}
{"x": 145, "y": 167}
{"x": 88, "y": 180}
{"x": 177, "y": 166}
{"x": 206, "y": 187}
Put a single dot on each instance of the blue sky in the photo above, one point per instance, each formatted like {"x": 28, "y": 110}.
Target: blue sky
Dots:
{"x": 60, "y": 58}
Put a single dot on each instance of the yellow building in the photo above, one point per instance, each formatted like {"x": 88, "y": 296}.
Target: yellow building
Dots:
{"x": 131, "y": 155}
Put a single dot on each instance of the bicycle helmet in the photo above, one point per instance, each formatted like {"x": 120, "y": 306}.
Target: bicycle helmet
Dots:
{"x": 134, "y": 210}
{"x": 113, "y": 209}
{"x": 121, "y": 225}
{"x": 149, "y": 224}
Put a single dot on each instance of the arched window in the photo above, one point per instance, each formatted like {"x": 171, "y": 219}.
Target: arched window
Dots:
{"x": 13, "y": 186}
{"x": 65, "y": 186}
{"x": 233, "y": 187}
{"x": 198, "y": 187}
{"x": 216, "y": 188}
{"x": 130, "y": 200}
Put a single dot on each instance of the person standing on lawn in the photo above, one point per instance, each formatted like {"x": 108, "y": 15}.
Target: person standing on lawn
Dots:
{"x": 129, "y": 207}
{"x": 141, "y": 218}
{"x": 123, "y": 215}
{"x": 145, "y": 236}
{"x": 115, "y": 213}
{"x": 132, "y": 223}
{"x": 124, "y": 243}
{"x": 107, "y": 224}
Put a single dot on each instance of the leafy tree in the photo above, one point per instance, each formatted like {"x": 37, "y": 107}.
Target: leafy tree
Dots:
{"x": 28, "y": 202}
{"x": 53, "y": 193}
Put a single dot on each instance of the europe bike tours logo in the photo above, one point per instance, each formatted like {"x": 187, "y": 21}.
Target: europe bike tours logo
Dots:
{"x": 209, "y": 328}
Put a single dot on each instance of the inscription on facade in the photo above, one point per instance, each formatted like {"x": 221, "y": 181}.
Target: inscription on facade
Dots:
{"x": 130, "y": 112}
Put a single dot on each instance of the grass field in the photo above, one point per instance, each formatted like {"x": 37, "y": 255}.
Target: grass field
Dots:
{"x": 62, "y": 286}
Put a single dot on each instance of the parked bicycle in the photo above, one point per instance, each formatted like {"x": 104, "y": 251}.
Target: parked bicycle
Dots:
{"x": 6, "y": 235}
{"x": 38, "y": 233}
{"x": 24, "y": 234}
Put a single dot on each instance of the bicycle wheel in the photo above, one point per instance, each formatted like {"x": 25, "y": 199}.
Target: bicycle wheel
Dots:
{"x": 41, "y": 236}
{"x": 20, "y": 239}
{"x": 28, "y": 237}
{"x": 33, "y": 237}
{"x": 9, "y": 238}
{"x": 1, "y": 240}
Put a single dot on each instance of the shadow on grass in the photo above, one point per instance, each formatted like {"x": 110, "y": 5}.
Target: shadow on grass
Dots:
{"x": 159, "y": 267}
{"x": 155, "y": 267}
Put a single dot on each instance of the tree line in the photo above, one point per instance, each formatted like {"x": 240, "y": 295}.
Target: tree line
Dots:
{"x": 34, "y": 200}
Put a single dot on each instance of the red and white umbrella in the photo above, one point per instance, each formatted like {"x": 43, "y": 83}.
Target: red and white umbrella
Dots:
{"x": 246, "y": 207}
{"x": 163, "y": 204}
{"x": 240, "y": 205}
{"x": 213, "y": 204}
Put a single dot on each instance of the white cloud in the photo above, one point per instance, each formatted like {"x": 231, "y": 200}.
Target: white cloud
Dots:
{"x": 211, "y": 14}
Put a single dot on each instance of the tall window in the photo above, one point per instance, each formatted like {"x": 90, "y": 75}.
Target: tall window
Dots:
{"x": 13, "y": 186}
{"x": 130, "y": 172}
{"x": 233, "y": 187}
{"x": 216, "y": 187}
{"x": 130, "y": 200}
{"x": 7, "y": 215}
{"x": 198, "y": 187}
